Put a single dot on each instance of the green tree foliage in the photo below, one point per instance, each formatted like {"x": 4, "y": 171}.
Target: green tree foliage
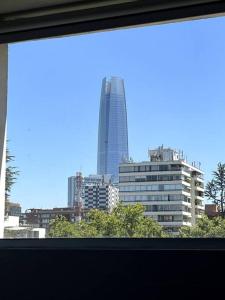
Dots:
{"x": 215, "y": 189}
{"x": 11, "y": 174}
{"x": 14, "y": 234}
{"x": 60, "y": 227}
{"x": 124, "y": 221}
{"x": 205, "y": 228}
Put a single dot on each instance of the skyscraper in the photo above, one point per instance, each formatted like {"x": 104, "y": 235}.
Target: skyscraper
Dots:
{"x": 112, "y": 130}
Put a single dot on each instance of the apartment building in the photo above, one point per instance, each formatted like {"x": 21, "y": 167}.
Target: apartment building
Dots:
{"x": 104, "y": 196}
{"x": 77, "y": 183}
{"x": 170, "y": 188}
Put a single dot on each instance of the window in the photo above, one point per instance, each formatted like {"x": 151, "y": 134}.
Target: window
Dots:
{"x": 154, "y": 168}
{"x": 136, "y": 169}
{"x": 163, "y": 168}
{"x": 74, "y": 113}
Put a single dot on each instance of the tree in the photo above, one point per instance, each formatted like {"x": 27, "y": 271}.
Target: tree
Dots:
{"x": 60, "y": 227}
{"x": 215, "y": 189}
{"x": 205, "y": 228}
{"x": 11, "y": 174}
{"x": 124, "y": 221}
{"x": 133, "y": 223}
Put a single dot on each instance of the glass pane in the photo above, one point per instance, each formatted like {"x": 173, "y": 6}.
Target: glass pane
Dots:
{"x": 117, "y": 127}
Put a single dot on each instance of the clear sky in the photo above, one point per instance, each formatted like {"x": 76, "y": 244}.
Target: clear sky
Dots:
{"x": 175, "y": 90}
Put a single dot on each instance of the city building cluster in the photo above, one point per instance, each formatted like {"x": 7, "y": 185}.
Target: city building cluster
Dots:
{"x": 170, "y": 189}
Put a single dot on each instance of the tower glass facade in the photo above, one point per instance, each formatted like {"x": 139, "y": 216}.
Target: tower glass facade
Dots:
{"x": 112, "y": 130}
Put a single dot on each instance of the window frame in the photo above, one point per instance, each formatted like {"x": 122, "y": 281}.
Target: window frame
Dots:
{"x": 189, "y": 10}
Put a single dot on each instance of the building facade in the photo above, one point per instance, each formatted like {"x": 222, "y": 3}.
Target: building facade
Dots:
{"x": 112, "y": 129}
{"x": 76, "y": 186}
{"x": 104, "y": 197}
{"x": 14, "y": 230}
{"x": 42, "y": 217}
{"x": 170, "y": 189}
{"x": 12, "y": 209}
{"x": 212, "y": 211}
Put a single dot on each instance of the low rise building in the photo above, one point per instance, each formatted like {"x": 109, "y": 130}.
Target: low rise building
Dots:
{"x": 212, "y": 210}
{"x": 13, "y": 230}
{"x": 170, "y": 188}
{"x": 103, "y": 196}
{"x": 42, "y": 217}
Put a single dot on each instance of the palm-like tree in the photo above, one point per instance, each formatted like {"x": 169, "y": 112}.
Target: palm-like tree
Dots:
{"x": 215, "y": 189}
{"x": 11, "y": 174}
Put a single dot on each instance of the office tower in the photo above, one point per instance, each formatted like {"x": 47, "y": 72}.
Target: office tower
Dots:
{"x": 76, "y": 186}
{"x": 101, "y": 196}
{"x": 112, "y": 130}
{"x": 170, "y": 188}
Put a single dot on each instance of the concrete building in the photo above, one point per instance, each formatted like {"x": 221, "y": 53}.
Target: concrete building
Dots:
{"x": 170, "y": 188}
{"x": 13, "y": 230}
{"x": 42, "y": 217}
{"x": 76, "y": 186}
{"x": 112, "y": 129}
{"x": 212, "y": 211}
{"x": 104, "y": 196}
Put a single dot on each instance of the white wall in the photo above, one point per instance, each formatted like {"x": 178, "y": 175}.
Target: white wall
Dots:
{"x": 3, "y": 111}
{"x": 11, "y": 221}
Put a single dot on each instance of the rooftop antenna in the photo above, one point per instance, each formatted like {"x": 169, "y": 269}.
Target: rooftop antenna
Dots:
{"x": 80, "y": 169}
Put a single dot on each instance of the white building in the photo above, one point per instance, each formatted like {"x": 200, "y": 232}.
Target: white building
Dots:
{"x": 170, "y": 189}
{"x": 101, "y": 196}
{"x": 77, "y": 183}
{"x": 12, "y": 230}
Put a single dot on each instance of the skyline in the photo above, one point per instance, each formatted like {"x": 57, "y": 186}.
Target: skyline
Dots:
{"x": 162, "y": 65}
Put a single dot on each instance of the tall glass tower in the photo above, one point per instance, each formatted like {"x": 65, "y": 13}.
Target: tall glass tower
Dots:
{"x": 112, "y": 129}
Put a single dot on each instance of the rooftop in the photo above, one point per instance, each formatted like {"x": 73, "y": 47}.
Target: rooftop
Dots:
{"x": 162, "y": 154}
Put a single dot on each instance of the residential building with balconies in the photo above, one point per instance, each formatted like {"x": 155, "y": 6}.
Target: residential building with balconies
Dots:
{"x": 170, "y": 188}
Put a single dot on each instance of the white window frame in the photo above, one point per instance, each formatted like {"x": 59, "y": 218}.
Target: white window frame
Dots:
{"x": 3, "y": 114}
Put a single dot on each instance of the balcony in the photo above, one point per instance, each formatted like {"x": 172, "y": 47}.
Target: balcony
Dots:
{"x": 200, "y": 179}
{"x": 199, "y": 188}
{"x": 200, "y": 207}
{"x": 186, "y": 183}
{"x": 168, "y": 212}
{"x": 175, "y": 223}
{"x": 198, "y": 197}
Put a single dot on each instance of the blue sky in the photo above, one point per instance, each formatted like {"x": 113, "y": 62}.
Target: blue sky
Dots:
{"x": 175, "y": 89}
